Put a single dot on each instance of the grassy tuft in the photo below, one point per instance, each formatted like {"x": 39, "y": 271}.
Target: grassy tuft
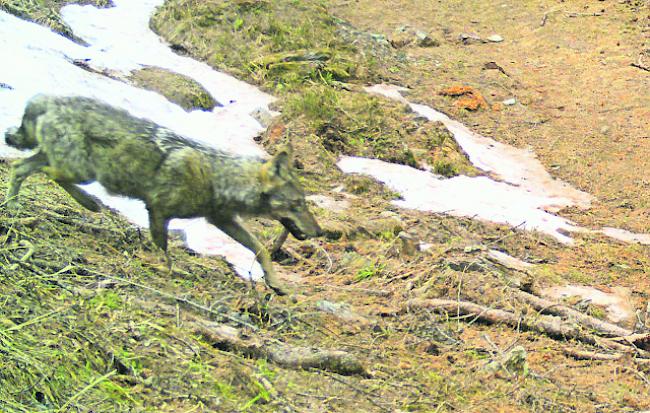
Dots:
{"x": 46, "y": 12}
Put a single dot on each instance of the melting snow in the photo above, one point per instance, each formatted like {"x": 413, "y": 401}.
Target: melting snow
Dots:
{"x": 618, "y": 303}
{"x": 522, "y": 194}
{"x": 463, "y": 196}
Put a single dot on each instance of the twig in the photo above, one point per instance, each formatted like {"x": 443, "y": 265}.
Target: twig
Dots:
{"x": 575, "y": 14}
{"x": 551, "y": 326}
{"x": 229, "y": 338}
{"x": 591, "y": 355}
{"x": 639, "y": 66}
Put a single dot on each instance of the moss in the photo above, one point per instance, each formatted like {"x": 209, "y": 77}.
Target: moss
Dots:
{"x": 47, "y": 12}
{"x": 177, "y": 88}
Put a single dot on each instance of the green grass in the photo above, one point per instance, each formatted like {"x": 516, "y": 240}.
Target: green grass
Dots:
{"x": 279, "y": 44}
{"x": 180, "y": 89}
{"x": 46, "y": 12}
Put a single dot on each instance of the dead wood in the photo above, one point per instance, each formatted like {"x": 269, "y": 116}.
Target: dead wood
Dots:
{"x": 550, "y": 325}
{"x": 554, "y": 308}
{"x": 229, "y": 339}
{"x": 640, "y": 66}
{"x": 591, "y": 355}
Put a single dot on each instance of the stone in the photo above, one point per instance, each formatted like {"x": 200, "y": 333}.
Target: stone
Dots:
{"x": 495, "y": 38}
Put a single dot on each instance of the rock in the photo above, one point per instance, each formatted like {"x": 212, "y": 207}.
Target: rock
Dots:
{"x": 379, "y": 38}
{"x": 495, "y": 38}
{"x": 408, "y": 245}
{"x": 264, "y": 116}
{"x": 329, "y": 203}
{"x": 513, "y": 362}
{"x": 342, "y": 311}
{"x": 177, "y": 88}
{"x": 401, "y": 39}
{"x": 508, "y": 261}
{"x": 473, "y": 248}
{"x": 509, "y": 102}
{"x": 425, "y": 246}
{"x": 468, "y": 38}
{"x": 424, "y": 40}
{"x": 389, "y": 214}
{"x": 405, "y": 36}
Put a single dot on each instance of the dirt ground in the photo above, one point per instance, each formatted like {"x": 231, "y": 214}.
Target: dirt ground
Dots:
{"x": 90, "y": 322}
{"x": 581, "y": 106}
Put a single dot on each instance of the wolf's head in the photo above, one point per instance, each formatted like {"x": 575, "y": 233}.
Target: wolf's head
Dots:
{"x": 285, "y": 199}
{"x": 24, "y": 137}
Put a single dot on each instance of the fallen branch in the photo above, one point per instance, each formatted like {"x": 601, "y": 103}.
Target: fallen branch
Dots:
{"x": 640, "y": 66}
{"x": 552, "y": 326}
{"x": 591, "y": 355}
{"x": 229, "y": 339}
{"x": 554, "y": 308}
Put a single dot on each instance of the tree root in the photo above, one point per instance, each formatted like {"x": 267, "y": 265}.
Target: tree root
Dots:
{"x": 551, "y": 307}
{"x": 230, "y": 339}
{"x": 554, "y": 327}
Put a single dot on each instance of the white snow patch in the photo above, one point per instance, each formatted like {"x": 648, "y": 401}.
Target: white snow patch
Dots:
{"x": 462, "y": 196}
{"x": 617, "y": 303}
{"x": 519, "y": 167}
{"x": 626, "y": 236}
{"x": 519, "y": 191}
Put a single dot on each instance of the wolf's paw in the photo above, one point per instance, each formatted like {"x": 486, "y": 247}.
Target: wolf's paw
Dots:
{"x": 279, "y": 289}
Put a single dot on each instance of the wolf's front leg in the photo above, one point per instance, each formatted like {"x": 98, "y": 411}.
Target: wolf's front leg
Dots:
{"x": 235, "y": 229}
{"x": 22, "y": 169}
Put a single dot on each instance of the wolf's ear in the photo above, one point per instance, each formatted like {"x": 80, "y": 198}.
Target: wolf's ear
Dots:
{"x": 281, "y": 162}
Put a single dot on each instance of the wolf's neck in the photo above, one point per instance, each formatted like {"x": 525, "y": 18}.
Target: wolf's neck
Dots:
{"x": 238, "y": 188}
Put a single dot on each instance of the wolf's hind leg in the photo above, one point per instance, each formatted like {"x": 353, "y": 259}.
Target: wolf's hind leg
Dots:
{"x": 20, "y": 171}
{"x": 236, "y": 230}
{"x": 87, "y": 201}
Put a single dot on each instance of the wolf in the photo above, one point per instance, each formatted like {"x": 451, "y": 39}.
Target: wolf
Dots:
{"x": 79, "y": 140}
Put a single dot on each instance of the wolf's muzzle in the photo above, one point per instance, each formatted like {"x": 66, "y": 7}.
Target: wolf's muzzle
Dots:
{"x": 293, "y": 229}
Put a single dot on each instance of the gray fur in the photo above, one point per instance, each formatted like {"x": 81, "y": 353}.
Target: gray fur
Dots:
{"x": 80, "y": 140}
